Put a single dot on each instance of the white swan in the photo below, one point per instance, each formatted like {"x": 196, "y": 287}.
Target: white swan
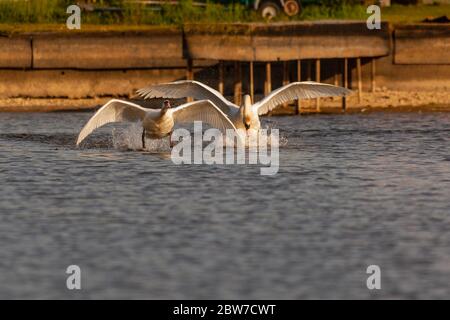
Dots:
{"x": 247, "y": 116}
{"x": 156, "y": 123}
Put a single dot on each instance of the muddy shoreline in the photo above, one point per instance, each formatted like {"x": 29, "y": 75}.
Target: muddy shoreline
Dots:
{"x": 380, "y": 100}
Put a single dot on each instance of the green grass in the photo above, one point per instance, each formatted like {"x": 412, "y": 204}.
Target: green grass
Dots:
{"x": 410, "y": 14}
{"x": 394, "y": 14}
{"x": 43, "y": 15}
{"x": 41, "y": 11}
{"x": 54, "y": 11}
{"x": 343, "y": 11}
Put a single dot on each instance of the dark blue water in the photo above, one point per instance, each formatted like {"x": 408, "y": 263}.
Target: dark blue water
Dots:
{"x": 351, "y": 191}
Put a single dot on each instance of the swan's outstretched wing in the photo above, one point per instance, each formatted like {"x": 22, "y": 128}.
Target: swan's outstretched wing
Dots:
{"x": 203, "y": 110}
{"x": 298, "y": 90}
{"x": 113, "y": 111}
{"x": 187, "y": 88}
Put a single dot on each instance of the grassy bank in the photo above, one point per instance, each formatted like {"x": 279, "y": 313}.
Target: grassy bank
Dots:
{"x": 46, "y": 15}
{"x": 54, "y": 11}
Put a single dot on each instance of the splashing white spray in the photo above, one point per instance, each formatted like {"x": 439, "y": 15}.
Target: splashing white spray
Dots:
{"x": 282, "y": 140}
{"x": 130, "y": 138}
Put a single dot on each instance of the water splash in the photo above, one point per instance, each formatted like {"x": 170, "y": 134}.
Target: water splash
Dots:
{"x": 282, "y": 139}
{"x": 265, "y": 136}
{"x": 130, "y": 138}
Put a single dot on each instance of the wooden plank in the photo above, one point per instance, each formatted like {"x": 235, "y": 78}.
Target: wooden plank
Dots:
{"x": 422, "y": 44}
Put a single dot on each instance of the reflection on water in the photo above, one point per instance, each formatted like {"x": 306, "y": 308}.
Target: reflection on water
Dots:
{"x": 352, "y": 191}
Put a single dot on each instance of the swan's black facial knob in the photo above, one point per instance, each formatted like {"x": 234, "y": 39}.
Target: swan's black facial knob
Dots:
{"x": 166, "y": 106}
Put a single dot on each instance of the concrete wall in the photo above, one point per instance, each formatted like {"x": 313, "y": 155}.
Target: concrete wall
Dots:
{"x": 403, "y": 77}
{"x": 427, "y": 44}
{"x": 80, "y": 84}
{"x": 287, "y": 41}
{"x": 107, "y": 51}
{"x": 111, "y": 64}
{"x": 15, "y": 52}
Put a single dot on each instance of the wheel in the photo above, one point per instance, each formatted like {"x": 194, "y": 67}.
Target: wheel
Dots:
{"x": 291, "y": 7}
{"x": 269, "y": 10}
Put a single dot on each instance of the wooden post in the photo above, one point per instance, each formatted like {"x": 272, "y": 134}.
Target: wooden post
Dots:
{"x": 308, "y": 70}
{"x": 359, "y": 75}
{"x": 190, "y": 75}
{"x": 336, "y": 73}
{"x": 318, "y": 80}
{"x": 285, "y": 77}
{"x": 268, "y": 82}
{"x": 345, "y": 82}
{"x": 221, "y": 77}
{"x": 237, "y": 82}
{"x": 299, "y": 78}
{"x": 373, "y": 75}
{"x": 252, "y": 83}
{"x": 345, "y": 73}
{"x": 285, "y": 73}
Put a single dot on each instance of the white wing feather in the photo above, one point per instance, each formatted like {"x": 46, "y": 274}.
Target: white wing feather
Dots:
{"x": 113, "y": 111}
{"x": 187, "y": 88}
{"x": 298, "y": 90}
{"x": 205, "y": 111}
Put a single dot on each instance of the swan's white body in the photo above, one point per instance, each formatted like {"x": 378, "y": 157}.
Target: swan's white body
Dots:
{"x": 246, "y": 116}
{"x": 157, "y": 123}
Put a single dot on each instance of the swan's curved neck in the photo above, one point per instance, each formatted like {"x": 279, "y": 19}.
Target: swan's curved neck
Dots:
{"x": 164, "y": 110}
{"x": 247, "y": 105}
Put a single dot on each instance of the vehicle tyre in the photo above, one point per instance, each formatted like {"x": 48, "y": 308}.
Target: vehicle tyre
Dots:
{"x": 269, "y": 10}
{"x": 291, "y": 7}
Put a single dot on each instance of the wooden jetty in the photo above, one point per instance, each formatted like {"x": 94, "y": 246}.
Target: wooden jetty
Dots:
{"x": 254, "y": 57}
{"x": 305, "y": 43}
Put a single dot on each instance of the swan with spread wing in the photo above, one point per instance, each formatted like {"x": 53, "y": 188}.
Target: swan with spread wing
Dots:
{"x": 157, "y": 123}
{"x": 246, "y": 116}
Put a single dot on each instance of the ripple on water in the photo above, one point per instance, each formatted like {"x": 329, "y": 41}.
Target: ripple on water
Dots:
{"x": 352, "y": 190}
